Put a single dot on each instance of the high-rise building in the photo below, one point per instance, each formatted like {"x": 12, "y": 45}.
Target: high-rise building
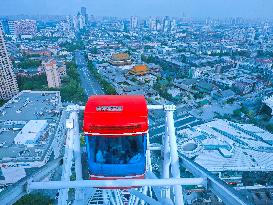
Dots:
{"x": 134, "y": 22}
{"x": 173, "y": 25}
{"x": 152, "y": 24}
{"x": 166, "y": 24}
{"x": 159, "y": 25}
{"x": 81, "y": 22}
{"x": 7, "y": 27}
{"x": 75, "y": 23}
{"x": 52, "y": 74}
{"x": 126, "y": 25}
{"x": 92, "y": 19}
{"x": 8, "y": 83}
{"x": 84, "y": 14}
{"x": 83, "y": 11}
{"x": 69, "y": 23}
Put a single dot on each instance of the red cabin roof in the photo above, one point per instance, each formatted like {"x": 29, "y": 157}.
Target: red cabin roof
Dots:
{"x": 115, "y": 115}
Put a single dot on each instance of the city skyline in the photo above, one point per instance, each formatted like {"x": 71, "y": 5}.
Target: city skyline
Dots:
{"x": 101, "y": 101}
{"x": 175, "y": 8}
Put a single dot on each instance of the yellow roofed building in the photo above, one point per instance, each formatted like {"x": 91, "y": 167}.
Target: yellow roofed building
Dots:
{"x": 120, "y": 59}
{"x": 139, "y": 70}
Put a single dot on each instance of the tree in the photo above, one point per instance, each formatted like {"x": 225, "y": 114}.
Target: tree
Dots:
{"x": 247, "y": 179}
{"x": 2, "y": 102}
{"x": 82, "y": 140}
{"x": 198, "y": 95}
{"x": 36, "y": 82}
{"x": 94, "y": 50}
{"x": 237, "y": 113}
{"x": 71, "y": 90}
{"x": 34, "y": 199}
{"x": 162, "y": 91}
{"x": 269, "y": 127}
{"x": 250, "y": 114}
{"x": 230, "y": 101}
{"x": 262, "y": 178}
{"x": 106, "y": 86}
{"x": 28, "y": 63}
{"x": 71, "y": 47}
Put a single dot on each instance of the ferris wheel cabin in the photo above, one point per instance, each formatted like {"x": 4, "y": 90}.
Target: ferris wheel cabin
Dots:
{"x": 115, "y": 130}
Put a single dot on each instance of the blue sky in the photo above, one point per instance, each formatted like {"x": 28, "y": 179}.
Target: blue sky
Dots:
{"x": 125, "y": 8}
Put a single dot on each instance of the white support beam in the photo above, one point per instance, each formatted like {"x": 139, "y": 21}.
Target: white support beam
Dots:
{"x": 173, "y": 153}
{"x": 208, "y": 180}
{"x": 145, "y": 191}
{"x": 147, "y": 199}
{"x": 14, "y": 192}
{"x": 68, "y": 159}
{"x": 117, "y": 196}
{"x": 120, "y": 183}
{"x": 156, "y": 190}
{"x": 105, "y": 197}
{"x": 79, "y": 196}
{"x": 81, "y": 107}
{"x": 155, "y": 107}
{"x": 226, "y": 193}
{"x": 166, "y": 159}
{"x": 111, "y": 198}
{"x": 77, "y": 147}
{"x": 149, "y": 167}
{"x": 155, "y": 147}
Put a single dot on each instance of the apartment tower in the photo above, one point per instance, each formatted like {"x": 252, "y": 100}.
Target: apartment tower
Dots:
{"x": 52, "y": 74}
{"x": 8, "y": 83}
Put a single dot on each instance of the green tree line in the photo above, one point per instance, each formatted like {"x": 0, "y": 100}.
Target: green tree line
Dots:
{"x": 34, "y": 199}
{"x": 28, "y": 63}
{"x": 71, "y": 47}
{"x": 71, "y": 90}
{"x": 106, "y": 86}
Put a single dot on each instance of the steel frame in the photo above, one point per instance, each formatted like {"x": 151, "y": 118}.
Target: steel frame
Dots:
{"x": 164, "y": 194}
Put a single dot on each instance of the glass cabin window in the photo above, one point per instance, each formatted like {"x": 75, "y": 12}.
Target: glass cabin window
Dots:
{"x": 119, "y": 150}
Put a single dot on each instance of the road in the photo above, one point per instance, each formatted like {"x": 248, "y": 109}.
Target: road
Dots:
{"x": 88, "y": 82}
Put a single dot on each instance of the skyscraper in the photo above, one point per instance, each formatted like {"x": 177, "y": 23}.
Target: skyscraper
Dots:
{"x": 76, "y": 23}
{"x": 166, "y": 24}
{"x": 81, "y": 22}
{"x": 83, "y": 11}
{"x": 7, "y": 27}
{"x": 159, "y": 25}
{"x": 173, "y": 25}
{"x": 69, "y": 22}
{"x": 84, "y": 14}
{"x": 8, "y": 83}
{"x": 134, "y": 22}
{"x": 152, "y": 24}
{"x": 126, "y": 26}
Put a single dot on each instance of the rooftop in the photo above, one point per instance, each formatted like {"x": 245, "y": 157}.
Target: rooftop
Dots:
{"x": 222, "y": 145}
{"x": 18, "y": 115}
{"x": 30, "y": 132}
{"x": 139, "y": 69}
{"x": 120, "y": 56}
